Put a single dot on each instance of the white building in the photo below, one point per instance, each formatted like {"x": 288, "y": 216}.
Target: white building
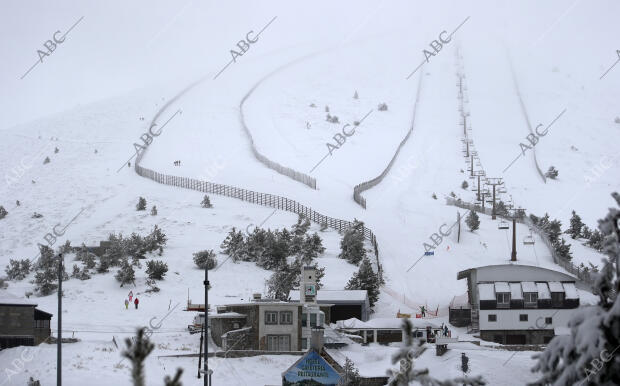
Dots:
{"x": 519, "y": 304}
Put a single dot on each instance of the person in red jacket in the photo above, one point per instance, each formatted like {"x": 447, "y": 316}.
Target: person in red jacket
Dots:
{"x": 136, "y": 302}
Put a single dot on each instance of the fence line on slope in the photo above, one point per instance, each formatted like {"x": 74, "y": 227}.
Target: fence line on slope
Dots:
{"x": 284, "y": 170}
{"x": 583, "y": 275}
{"x": 359, "y": 188}
{"x": 265, "y": 199}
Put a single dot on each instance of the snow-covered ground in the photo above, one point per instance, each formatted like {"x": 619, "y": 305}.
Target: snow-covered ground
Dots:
{"x": 96, "y": 94}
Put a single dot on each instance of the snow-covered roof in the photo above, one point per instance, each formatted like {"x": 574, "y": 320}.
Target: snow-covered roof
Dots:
{"x": 7, "y": 298}
{"x": 555, "y": 286}
{"x": 383, "y": 323}
{"x": 529, "y": 286}
{"x": 227, "y": 315}
{"x": 501, "y": 286}
{"x": 460, "y": 301}
{"x": 486, "y": 291}
{"x": 515, "y": 291}
{"x": 358, "y": 296}
{"x": 543, "y": 291}
{"x": 570, "y": 290}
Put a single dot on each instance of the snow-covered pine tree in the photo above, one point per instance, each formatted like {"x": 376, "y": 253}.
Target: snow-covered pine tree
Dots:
{"x": 382, "y": 107}
{"x": 154, "y": 211}
{"x": 125, "y": 274}
{"x": 302, "y": 226}
{"x": 138, "y": 349}
{"x": 156, "y": 269}
{"x": 562, "y": 249}
{"x": 155, "y": 240}
{"x": 46, "y": 271}
{"x": 141, "y": 205}
{"x": 56, "y": 150}
{"x": 205, "y": 259}
{"x": 311, "y": 249}
{"x": 586, "y": 232}
{"x": 76, "y": 271}
{"x": 3, "y": 212}
{"x": 407, "y": 375}
{"x": 464, "y": 185}
{"x": 472, "y": 220}
{"x": 46, "y": 160}
{"x": 356, "y": 96}
{"x": 586, "y": 354}
{"x": 281, "y": 283}
{"x": 233, "y": 244}
{"x": 352, "y": 243}
{"x": 351, "y": 376}
{"x": 366, "y": 279}
{"x": 17, "y": 269}
{"x": 500, "y": 209}
{"x": 552, "y": 173}
{"x": 596, "y": 240}
{"x": 434, "y": 196}
{"x": 206, "y": 202}
{"x": 576, "y": 225}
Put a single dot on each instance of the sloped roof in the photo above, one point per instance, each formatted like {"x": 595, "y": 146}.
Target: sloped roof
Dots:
{"x": 357, "y": 296}
{"x": 486, "y": 291}
{"x": 515, "y": 291}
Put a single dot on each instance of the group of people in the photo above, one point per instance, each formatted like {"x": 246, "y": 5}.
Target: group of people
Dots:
{"x": 135, "y": 301}
{"x": 177, "y": 163}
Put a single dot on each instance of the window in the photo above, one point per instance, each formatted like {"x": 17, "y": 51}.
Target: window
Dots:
{"x": 312, "y": 320}
{"x": 522, "y": 317}
{"x": 304, "y": 343}
{"x": 530, "y": 299}
{"x": 503, "y": 300}
{"x": 278, "y": 343}
{"x": 304, "y": 320}
{"x": 286, "y": 317}
{"x": 271, "y": 317}
{"x": 492, "y": 318}
{"x": 548, "y": 321}
{"x": 557, "y": 299}
{"x": 236, "y": 326}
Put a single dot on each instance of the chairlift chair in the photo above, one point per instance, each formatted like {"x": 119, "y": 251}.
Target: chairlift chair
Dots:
{"x": 503, "y": 224}
{"x": 529, "y": 239}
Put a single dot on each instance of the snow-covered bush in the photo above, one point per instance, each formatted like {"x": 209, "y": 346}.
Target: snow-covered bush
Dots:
{"x": 3, "y": 212}
{"x": 141, "y": 205}
{"x": 156, "y": 269}
{"x": 17, "y": 269}
{"x": 382, "y": 107}
{"x": 356, "y": 96}
{"x": 552, "y": 173}
{"x": 472, "y": 220}
{"x": 366, "y": 279}
{"x": 352, "y": 243}
{"x": 586, "y": 354}
{"x": 205, "y": 259}
{"x": 434, "y": 196}
{"x": 464, "y": 185}
{"x": 56, "y": 150}
{"x": 37, "y": 215}
{"x": 206, "y": 202}
{"x": 125, "y": 274}
{"x": 46, "y": 160}
{"x": 154, "y": 211}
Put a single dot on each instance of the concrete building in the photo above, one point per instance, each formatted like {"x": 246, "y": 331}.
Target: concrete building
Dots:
{"x": 517, "y": 304}
{"x": 22, "y": 324}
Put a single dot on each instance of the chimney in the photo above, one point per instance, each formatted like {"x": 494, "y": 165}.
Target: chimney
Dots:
{"x": 316, "y": 340}
{"x": 256, "y": 297}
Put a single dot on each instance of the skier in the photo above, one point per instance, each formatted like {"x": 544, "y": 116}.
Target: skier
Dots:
{"x": 136, "y": 303}
{"x": 445, "y": 330}
{"x": 423, "y": 311}
{"x": 17, "y": 203}
{"x": 126, "y": 304}
{"x": 130, "y": 295}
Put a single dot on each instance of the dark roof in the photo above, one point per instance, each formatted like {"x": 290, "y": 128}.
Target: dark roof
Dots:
{"x": 38, "y": 314}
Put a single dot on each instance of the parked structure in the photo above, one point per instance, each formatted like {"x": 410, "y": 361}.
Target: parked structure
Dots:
{"x": 22, "y": 324}
{"x": 517, "y": 304}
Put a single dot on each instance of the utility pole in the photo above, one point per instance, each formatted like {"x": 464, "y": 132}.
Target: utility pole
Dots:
{"x": 59, "y": 341}
{"x": 514, "y": 213}
{"x": 479, "y": 173}
{"x": 494, "y": 182}
{"x": 471, "y": 166}
{"x": 206, "y": 329}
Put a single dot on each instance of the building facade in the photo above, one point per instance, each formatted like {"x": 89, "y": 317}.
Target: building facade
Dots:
{"x": 22, "y": 324}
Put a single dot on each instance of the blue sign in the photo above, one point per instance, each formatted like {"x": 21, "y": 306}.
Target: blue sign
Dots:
{"x": 429, "y": 253}
{"x": 312, "y": 369}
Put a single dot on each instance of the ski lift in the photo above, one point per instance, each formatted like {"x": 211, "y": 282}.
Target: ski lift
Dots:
{"x": 503, "y": 224}
{"x": 529, "y": 240}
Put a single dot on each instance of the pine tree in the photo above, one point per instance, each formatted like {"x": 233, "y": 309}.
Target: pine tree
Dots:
{"x": 205, "y": 259}
{"x": 464, "y": 185}
{"x": 281, "y": 283}
{"x": 137, "y": 351}
{"x": 563, "y": 250}
{"x": 500, "y": 209}
{"x": 141, "y": 205}
{"x": 352, "y": 243}
{"x": 233, "y": 244}
{"x": 434, "y": 196}
{"x": 206, "y": 202}
{"x": 125, "y": 274}
{"x": 17, "y": 269}
{"x": 575, "y": 226}
{"x": 586, "y": 232}
{"x": 311, "y": 248}
{"x": 3, "y": 212}
{"x": 155, "y": 240}
{"x": 154, "y": 211}
{"x": 351, "y": 374}
{"x": 472, "y": 220}
{"x": 586, "y": 354}
{"x": 596, "y": 240}
{"x": 46, "y": 271}
{"x": 156, "y": 269}
{"x": 46, "y": 160}
{"x": 366, "y": 279}
{"x": 302, "y": 226}
{"x": 356, "y": 96}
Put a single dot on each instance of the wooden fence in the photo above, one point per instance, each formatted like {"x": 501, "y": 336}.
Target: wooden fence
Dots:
{"x": 265, "y": 199}
{"x": 562, "y": 262}
{"x": 359, "y": 188}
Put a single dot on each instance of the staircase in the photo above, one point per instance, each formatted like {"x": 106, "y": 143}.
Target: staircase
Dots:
{"x": 475, "y": 325}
